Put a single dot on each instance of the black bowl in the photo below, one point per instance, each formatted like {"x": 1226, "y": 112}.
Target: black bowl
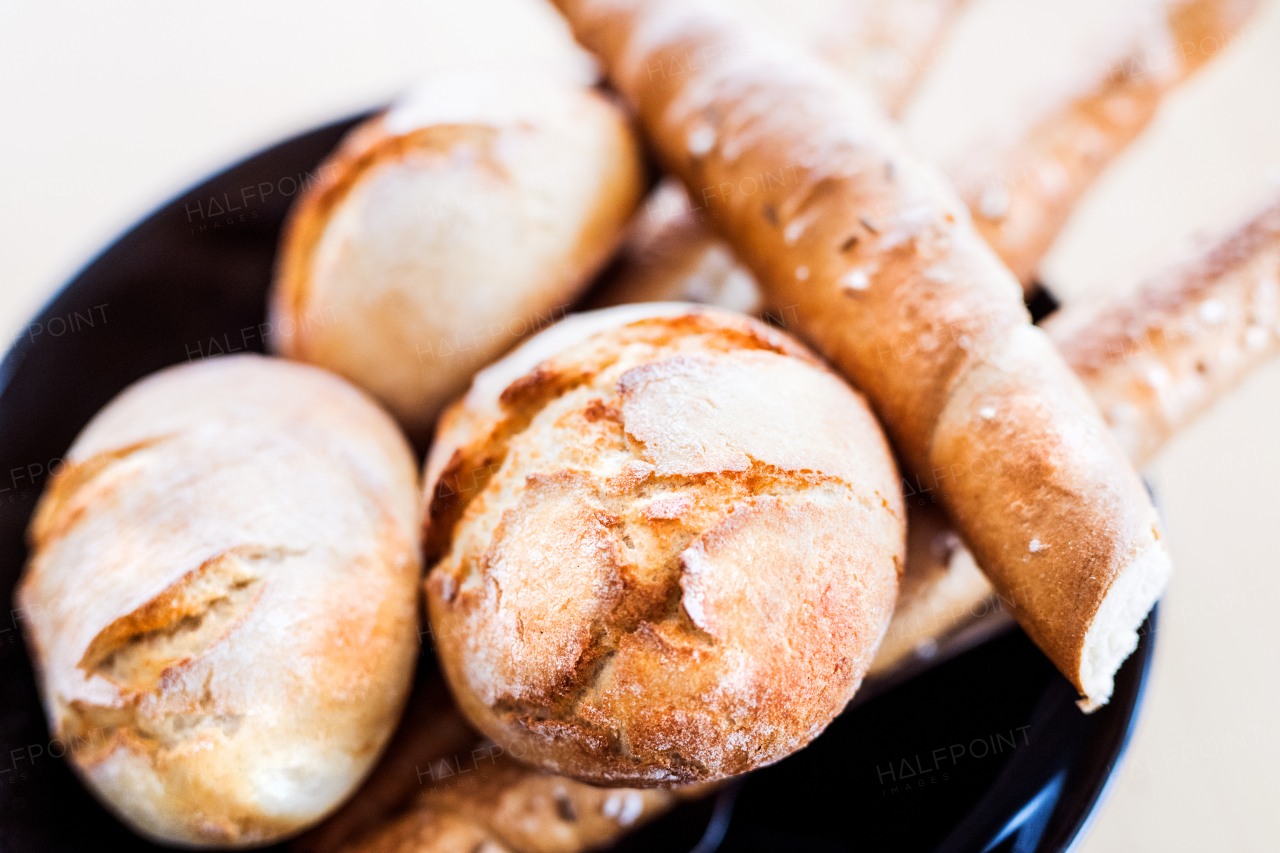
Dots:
{"x": 985, "y": 752}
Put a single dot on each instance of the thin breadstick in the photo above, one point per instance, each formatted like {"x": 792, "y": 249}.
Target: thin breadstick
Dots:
{"x": 812, "y": 187}
{"x": 1158, "y": 356}
{"x": 671, "y": 255}
{"x": 1022, "y": 186}
{"x": 1153, "y": 358}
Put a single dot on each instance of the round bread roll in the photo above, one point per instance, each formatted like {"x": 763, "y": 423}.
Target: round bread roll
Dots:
{"x": 468, "y": 215}
{"x": 221, "y": 598}
{"x": 666, "y": 544}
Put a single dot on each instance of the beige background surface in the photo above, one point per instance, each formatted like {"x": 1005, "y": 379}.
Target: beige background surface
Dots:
{"x": 109, "y": 110}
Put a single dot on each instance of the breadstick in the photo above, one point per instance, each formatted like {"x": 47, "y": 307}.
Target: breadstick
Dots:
{"x": 1157, "y": 357}
{"x": 1153, "y": 359}
{"x": 670, "y": 253}
{"x": 811, "y": 186}
{"x": 942, "y": 588}
{"x": 1022, "y": 186}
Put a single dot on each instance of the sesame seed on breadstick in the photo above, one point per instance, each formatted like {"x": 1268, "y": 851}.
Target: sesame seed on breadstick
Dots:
{"x": 810, "y": 184}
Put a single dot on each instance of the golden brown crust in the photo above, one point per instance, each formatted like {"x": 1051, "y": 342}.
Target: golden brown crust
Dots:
{"x": 509, "y": 806}
{"x": 657, "y": 582}
{"x": 1158, "y": 356}
{"x": 1153, "y": 359}
{"x": 1022, "y": 186}
{"x": 226, "y": 567}
{"x": 1030, "y": 461}
{"x": 942, "y": 590}
{"x": 671, "y": 253}
{"x": 387, "y": 273}
{"x": 431, "y": 729}
{"x": 894, "y": 285}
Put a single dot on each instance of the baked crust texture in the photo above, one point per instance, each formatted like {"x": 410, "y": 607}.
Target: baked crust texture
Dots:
{"x": 503, "y": 805}
{"x": 221, "y": 598}
{"x": 441, "y": 232}
{"x": 666, "y": 555}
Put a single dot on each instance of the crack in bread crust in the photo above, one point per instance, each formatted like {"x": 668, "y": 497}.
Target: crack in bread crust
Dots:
{"x": 645, "y": 589}
{"x": 469, "y": 470}
{"x": 136, "y": 651}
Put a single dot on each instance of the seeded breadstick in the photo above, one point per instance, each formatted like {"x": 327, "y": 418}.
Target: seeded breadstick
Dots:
{"x": 1157, "y": 357}
{"x": 1022, "y": 186}
{"x": 1153, "y": 359}
{"x": 671, "y": 254}
{"x": 833, "y": 214}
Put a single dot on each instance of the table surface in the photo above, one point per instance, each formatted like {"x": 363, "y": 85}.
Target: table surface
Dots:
{"x": 111, "y": 110}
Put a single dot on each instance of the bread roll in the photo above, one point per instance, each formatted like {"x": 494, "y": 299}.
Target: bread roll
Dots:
{"x": 944, "y": 602}
{"x": 502, "y": 805}
{"x": 468, "y": 215}
{"x": 221, "y": 598}
{"x": 431, "y": 728}
{"x": 663, "y": 554}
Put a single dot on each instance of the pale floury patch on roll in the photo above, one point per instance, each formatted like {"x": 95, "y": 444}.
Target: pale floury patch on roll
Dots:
{"x": 221, "y": 598}
{"x": 665, "y": 552}
{"x": 443, "y": 231}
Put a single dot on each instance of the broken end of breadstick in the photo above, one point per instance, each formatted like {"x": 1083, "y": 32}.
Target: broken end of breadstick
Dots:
{"x": 1113, "y": 634}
